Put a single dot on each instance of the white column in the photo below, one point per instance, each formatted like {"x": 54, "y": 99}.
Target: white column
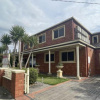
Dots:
{"x": 77, "y": 63}
{"x": 49, "y": 62}
{"x": 32, "y": 60}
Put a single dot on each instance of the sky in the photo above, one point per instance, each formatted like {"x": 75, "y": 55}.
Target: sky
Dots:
{"x": 37, "y": 15}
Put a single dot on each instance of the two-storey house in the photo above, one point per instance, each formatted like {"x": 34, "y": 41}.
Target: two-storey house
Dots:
{"x": 70, "y": 43}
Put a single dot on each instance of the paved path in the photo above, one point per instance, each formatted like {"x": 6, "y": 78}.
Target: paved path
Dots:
{"x": 5, "y": 95}
{"x": 88, "y": 89}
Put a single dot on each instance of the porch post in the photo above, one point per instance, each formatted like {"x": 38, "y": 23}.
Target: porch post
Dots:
{"x": 49, "y": 62}
{"x": 77, "y": 61}
{"x": 32, "y": 60}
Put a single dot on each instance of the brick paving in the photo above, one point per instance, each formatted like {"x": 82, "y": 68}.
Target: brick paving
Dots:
{"x": 88, "y": 89}
{"x": 85, "y": 89}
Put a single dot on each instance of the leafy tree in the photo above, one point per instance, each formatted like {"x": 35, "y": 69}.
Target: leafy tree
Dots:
{"x": 5, "y": 40}
{"x": 16, "y": 33}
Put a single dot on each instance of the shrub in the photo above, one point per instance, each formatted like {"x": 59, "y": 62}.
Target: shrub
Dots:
{"x": 33, "y": 75}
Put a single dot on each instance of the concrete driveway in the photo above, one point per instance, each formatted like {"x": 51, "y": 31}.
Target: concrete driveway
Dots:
{"x": 88, "y": 89}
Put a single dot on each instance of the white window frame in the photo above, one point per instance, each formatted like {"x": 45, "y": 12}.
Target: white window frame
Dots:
{"x": 79, "y": 28}
{"x": 93, "y": 38}
{"x": 67, "y": 61}
{"x": 48, "y": 61}
{"x": 63, "y": 26}
{"x": 41, "y": 35}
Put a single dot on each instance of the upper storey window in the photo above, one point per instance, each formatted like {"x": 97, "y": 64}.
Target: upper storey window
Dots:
{"x": 42, "y": 38}
{"x": 95, "y": 39}
{"x": 59, "y": 32}
{"x": 82, "y": 34}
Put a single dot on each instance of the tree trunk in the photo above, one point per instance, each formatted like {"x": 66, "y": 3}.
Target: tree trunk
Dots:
{"x": 14, "y": 56}
{"x": 21, "y": 61}
{"x": 29, "y": 56}
{"x": 28, "y": 59}
{"x": 19, "y": 57}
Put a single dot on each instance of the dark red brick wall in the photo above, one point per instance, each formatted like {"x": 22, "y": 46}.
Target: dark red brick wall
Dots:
{"x": 97, "y": 61}
{"x": 1, "y": 75}
{"x": 83, "y": 61}
{"x": 69, "y": 68}
{"x": 69, "y": 35}
{"x": 7, "y": 84}
{"x": 16, "y": 85}
{"x": 91, "y": 65}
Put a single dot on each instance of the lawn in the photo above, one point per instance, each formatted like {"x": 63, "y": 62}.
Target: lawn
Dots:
{"x": 51, "y": 80}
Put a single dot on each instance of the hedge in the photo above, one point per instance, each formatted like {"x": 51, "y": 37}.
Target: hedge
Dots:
{"x": 33, "y": 75}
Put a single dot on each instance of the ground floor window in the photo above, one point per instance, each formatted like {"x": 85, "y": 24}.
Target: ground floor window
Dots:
{"x": 47, "y": 57}
{"x": 67, "y": 56}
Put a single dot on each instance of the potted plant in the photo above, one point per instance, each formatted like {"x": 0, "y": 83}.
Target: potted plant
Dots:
{"x": 60, "y": 72}
{"x": 60, "y": 65}
{"x": 37, "y": 65}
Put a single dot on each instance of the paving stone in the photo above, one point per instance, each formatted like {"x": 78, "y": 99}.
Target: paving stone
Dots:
{"x": 88, "y": 89}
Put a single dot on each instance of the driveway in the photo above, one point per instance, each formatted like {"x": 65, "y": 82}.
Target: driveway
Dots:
{"x": 88, "y": 89}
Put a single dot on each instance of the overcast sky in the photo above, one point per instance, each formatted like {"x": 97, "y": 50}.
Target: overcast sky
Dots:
{"x": 36, "y": 15}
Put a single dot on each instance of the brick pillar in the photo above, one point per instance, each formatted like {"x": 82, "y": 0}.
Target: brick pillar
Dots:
{"x": 17, "y": 84}
{"x": 1, "y": 75}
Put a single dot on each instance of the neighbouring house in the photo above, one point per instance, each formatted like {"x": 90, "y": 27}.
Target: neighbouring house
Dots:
{"x": 70, "y": 43}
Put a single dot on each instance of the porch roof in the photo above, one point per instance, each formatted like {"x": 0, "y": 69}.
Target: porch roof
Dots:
{"x": 61, "y": 45}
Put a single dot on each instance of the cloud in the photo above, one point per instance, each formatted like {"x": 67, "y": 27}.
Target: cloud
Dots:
{"x": 36, "y": 15}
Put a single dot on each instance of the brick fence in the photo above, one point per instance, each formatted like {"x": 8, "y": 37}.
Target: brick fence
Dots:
{"x": 15, "y": 85}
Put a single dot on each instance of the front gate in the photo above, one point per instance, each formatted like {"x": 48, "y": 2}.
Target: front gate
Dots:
{"x": 27, "y": 81}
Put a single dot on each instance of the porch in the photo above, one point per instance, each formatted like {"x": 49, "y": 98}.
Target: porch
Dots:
{"x": 72, "y": 56}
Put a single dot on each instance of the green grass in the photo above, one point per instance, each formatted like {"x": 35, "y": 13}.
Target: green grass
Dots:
{"x": 51, "y": 80}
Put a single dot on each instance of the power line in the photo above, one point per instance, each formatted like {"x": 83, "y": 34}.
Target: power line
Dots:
{"x": 77, "y": 2}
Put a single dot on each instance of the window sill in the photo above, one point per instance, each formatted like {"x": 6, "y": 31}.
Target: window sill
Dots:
{"x": 68, "y": 62}
{"x": 42, "y": 42}
{"x": 50, "y": 62}
{"x": 58, "y": 38}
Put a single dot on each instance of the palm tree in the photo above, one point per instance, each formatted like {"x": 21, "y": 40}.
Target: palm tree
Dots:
{"x": 2, "y": 48}
{"x": 5, "y": 40}
{"x": 34, "y": 42}
{"x": 25, "y": 40}
{"x": 16, "y": 33}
